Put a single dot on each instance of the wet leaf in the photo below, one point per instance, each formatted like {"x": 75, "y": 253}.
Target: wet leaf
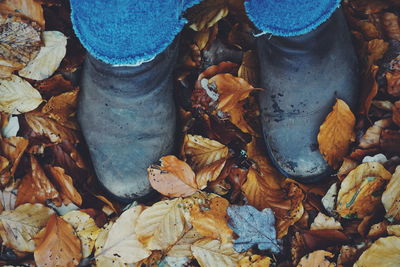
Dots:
{"x": 325, "y": 222}
{"x": 253, "y": 228}
{"x": 121, "y": 242}
{"x": 57, "y": 245}
{"x": 212, "y": 222}
{"x": 318, "y": 258}
{"x": 65, "y": 184}
{"x": 85, "y": 228}
{"x": 336, "y": 134}
{"x": 18, "y": 96}
{"x": 206, "y": 14}
{"x": 210, "y": 253}
{"x": 384, "y": 252}
{"x": 35, "y": 186}
{"x": 162, "y": 224}
{"x": 361, "y": 190}
{"x": 391, "y": 197}
{"x": 49, "y": 57}
{"x": 173, "y": 178}
{"x": 19, "y": 226}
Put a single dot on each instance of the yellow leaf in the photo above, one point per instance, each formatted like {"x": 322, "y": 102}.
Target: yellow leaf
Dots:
{"x": 174, "y": 178}
{"x": 162, "y": 224}
{"x": 18, "y": 96}
{"x": 182, "y": 247}
{"x": 49, "y": 57}
{"x": 393, "y": 230}
{"x": 255, "y": 261}
{"x": 212, "y": 222}
{"x": 206, "y": 14}
{"x": 57, "y": 245}
{"x": 85, "y": 228}
{"x": 391, "y": 197}
{"x": 121, "y": 242}
{"x": 384, "y": 252}
{"x": 317, "y": 258}
{"x": 360, "y": 191}
{"x": 19, "y": 226}
{"x": 211, "y": 253}
{"x": 336, "y": 134}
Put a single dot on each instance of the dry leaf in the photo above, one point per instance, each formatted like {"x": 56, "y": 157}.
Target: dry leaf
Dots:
{"x": 391, "y": 197}
{"x": 212, "y": 222}
{"x": 19, "y": 226}
{"x": 7, "y": 200}
{"x": 13, "y": 148}
{"x": 376, "y": 49}
{"x": 369, "y": 30}
{"x": 20, "y": 42}
{"x": 85, "y": 228}
{"x": 372, "y": 136}
{"x": 393, "y": 230}
{"x": 209, "y": 173}
{"x": 347, "y": 166}
{"x": 361, "y": 190}
{"x": 255, "y": 261}
{"x": 249, "y": 68}
{"x": 182, "y": 247}
{"x": 121, "y": 243}
{"x": 162, "y": 224}
{"x": 336, "y": 134}
{"x": 384, "y": 252}
{"x": 370, "y": 89}
{"x": 31, "y": 9}
{"x": 49, "y": 57}
{"x": 173, "y": 178}
{"x": 319, "y": 258}
{"x": 325, "y": 222}
{"x": 211, "y": 253}
{"x": 393, "y": 83}
{"x": 390, "y": 23}
{"x": 57, "y": 245}
{"x": 65, "y": 184}
{"x": 206, "y": 14}
{"x": 35, "y": 186}
{"x": 42, "y": 125}
{"x": 18, "y": 96}
{"x": 396, "y": 113}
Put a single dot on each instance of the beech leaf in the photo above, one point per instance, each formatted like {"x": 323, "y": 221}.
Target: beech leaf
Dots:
{"x": 211, "y": 253}
{"x": 384, "y": 252}
{"x": 391, "y": 197}
{"x": 317, "y": 258}
{"x": 19, "y": 226}
{"x": 253, "y": 228}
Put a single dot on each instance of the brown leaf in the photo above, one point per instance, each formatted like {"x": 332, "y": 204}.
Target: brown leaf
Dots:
{"x": 347, "y": 166}
{"x": 361, "y": 190}
{"x": 376, "y": 49}
{"x": 396, "y": 113}
{"x": 223, "y": 67}
{"x": 393, "y": 83}
{"x": 35, "y": 186}
{"x": 212, "y": 222}
{"x": 369, "y": 30}
{"x": 13, "y": 148}
{"x": 391, "y": 197}
{"x": 318, "y": 239}
{"x": 336, "y": 134}
{"x": 57, "y": 245}
{"x": 391, "y": 25}
{"x": 322, "y": 222}
{"x": 318, "y": 258}
{"x": 249, "y": 68}
{"x": 53, "y": 86}
{"x": 41, "y": 124}
{"x": 31, "y": 9}
{"x": 372, "y": 136}
{"x": 173, "y": 178}
{"x": 390, "y": 141}
{"x": 206, "y": 14}
{"x": 65, "y": 184}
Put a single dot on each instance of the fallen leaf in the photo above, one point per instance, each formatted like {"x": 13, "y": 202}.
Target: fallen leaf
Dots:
{"x": 378, "y": 230}
{"x": 255, "y": 261}
{"x": 13, "y": 148}
{"x": 369, "y": 30}
{"x": 329, "y": 200}
{"x": 318, "y": 239}
{"x": 12, "y": 127}
{"x": 85, "y": 228}
{"x": 41, "y": 124}
{"x": 372, "y": 136}
{"x": 31, "y": 9}
{"x": 211, "y": 253}
{"x": 391, "y": 197}
{"x": 393, "y": 230}
{"x": 396, "y": 113}
{"x": 390, "y": 23}
{"x": 376, "y": 49}
{"x": 336, "y": 134}
{"x": 206, "y": 14}
{"x": 7, "y": 200}
{"x": 361, "y": 190}
{"x": 57, "y": 245}
{"x": 35, "y": 186}
{"x": 393, "y": 83}
{"x": 325, "y": 222}
{"x": 253, "y": 228}
{"x": 209, "y": 173}
{"x": 19, "y": 226}
{"x": 54, "y": 86}
{"x": 182, "y": 248}
{"x": 65, "y": 184}
{"x": 384, "y": 252}
{"x": 162, "y": 224}
{"x": 212, "y": 222}
{"x": 249, "y": 68}
{"x": 18, "y": 96}
{"x": 369, "y": 90}
{"x": 20, "y": 42}
{"x": 319, "y": 258}
{"x": 121, "y": 242}
{"x": 173, "y": 178}
{"x": 49, "y": 58}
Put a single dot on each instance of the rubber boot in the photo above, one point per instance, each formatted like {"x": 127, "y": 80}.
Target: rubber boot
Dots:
{"x": 302, "y": 77}
{"x": 127, "y": 115}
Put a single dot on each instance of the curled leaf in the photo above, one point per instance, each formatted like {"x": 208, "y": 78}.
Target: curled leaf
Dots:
{"x": 391, "y": 197}
{"x": 206, "y": 14}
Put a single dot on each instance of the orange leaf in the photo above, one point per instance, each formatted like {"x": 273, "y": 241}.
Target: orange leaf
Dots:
{"x": 396, "y": 113}
{"x": 35, "y": 186}
{"x": 393, "y": 83}
{"x": 336, "y": 134}
{"x": 29, "y": 8}
{"x": 174, "y": 178}
{"x": 13, "y": 148}
{"x": 57, "y": 245}
{"x": 67, "y": 190}
{"x": 212, "y": 222}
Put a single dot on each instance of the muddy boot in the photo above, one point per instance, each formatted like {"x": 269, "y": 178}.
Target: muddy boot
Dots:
{"x": 302, "y": 77}
{"x": 127, "y": 115}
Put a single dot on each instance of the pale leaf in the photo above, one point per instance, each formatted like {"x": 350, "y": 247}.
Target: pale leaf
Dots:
{"x": 211, "y": 253}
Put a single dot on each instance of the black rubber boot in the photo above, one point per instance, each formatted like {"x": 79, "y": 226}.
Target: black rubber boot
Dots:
{"x": 302, "y": 77}
{"x": 127, "y": 115}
